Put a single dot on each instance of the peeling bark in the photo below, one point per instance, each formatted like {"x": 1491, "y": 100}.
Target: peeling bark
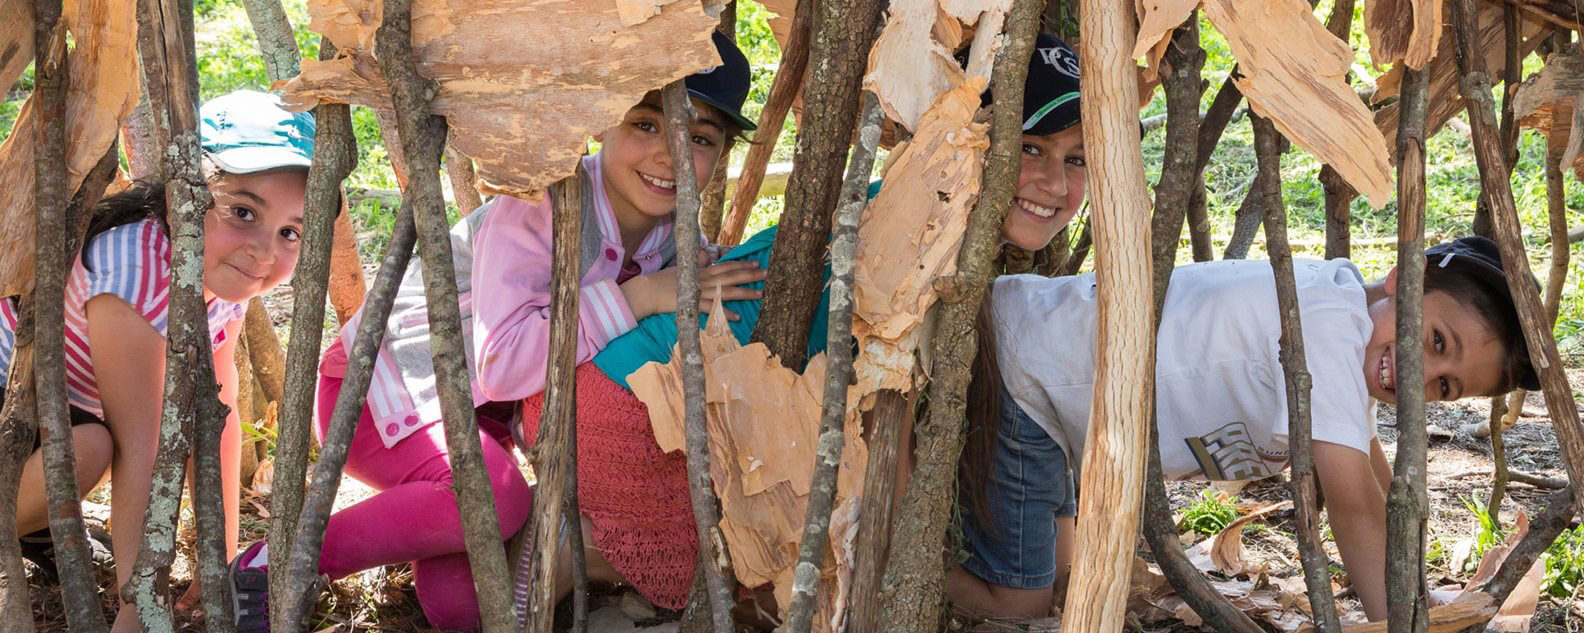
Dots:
{"x": 1494, "y": 181}
{"x": 1317, "y": 574}
{"x": 841, "y": 34}
{"x": 1407, "y": 502}
{"x": 554, "y": 456}
{"x": 422, "y": 142}
{"x": 839, "y": 372}
{"x": 911, "y": 591}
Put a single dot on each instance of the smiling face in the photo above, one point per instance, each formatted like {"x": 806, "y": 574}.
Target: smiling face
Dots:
{"x": 1463, "y": 357}
{"x": 252, "y": 233}
{"x": 1050, "y": 188}
{"x": 640, "y": 180}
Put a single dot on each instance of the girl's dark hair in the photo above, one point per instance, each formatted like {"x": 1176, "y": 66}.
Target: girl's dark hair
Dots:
{"x": 144, "y": 200}
{"x": 984, "y": 419}
{"x": 1494, "y": 306}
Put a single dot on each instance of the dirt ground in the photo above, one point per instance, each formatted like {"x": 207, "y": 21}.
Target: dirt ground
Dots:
{"x": 383, "y": 600}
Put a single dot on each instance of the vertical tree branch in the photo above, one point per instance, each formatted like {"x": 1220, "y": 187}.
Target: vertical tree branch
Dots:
{"x": 1080, "y": 251}
{"x": 580, "y": 597}
{"x": 1180, "y": 181}
{"x": 1214, "y": 124}
{"x": 170, "y": 74}
{"x": 783, "y": 90}
{"x": 422, "y": 141}
{"x": 50, "y": 188}
{"x": 1116, "y": 453}
{"x": 712, "y": 201}
{"x": 1499, "y": 474}
{"x": 1504, "y": 217}
{"x": 841, "y": 35}
{"x": 1317, "y": 573}
{"x": 1407, "y": 502}
{"x": 16, "y": 443}
{"x": 1339, "y": 194}
{"x": 891, "y": 417}
{"x": 838, "y": 373}
{"x": 911, "y": 590}
{"x": 706, "y": 509}
{"x": 553, "y": 459}
{"x": 294, "y": 606}
{"x": 464, "y": 182}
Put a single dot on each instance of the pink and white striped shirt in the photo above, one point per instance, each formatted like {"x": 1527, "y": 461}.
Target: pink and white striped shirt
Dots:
{"x": 131, "y": 261}
{"x": 501, "y": 253}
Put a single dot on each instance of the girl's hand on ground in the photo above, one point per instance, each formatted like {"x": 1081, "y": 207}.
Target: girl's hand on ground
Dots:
{"x": 655, "y": 292}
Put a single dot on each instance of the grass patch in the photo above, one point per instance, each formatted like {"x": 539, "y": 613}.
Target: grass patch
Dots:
{"x": 1210, "y": 513}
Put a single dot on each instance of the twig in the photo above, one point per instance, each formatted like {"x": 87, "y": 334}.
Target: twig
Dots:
{"x": 293, "y": 608}
{"x": 706, "y": 509}
{"x": 335, "y": 154}
{"x": 1521, "y": 477}
{"x": 170, "y": 75}
{"x": 422, "y": 142}
{"x": 911, "y": 589}
{"x": 838, "y": 373}
{"x": 1080, "y": 250}
{"x": 16, "y": 443}
{"x": 553, "y": 454}
{"x": 1317, "y": 574}
{"x": 1508, "y": 232}
{"x": 1222, "y": 109}
{"x": 841, "y": 35}
{"x": 788, "y": 81}
{"x": 1500, "y": 472}
{"x": 1407, "y": 503}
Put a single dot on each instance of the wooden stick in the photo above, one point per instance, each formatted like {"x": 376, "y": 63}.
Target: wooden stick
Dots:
{"x": 1116, "y": 452}
{"x": 1407, "y": 502}
{"x": 422, "y": 142}
{"x": 346, "y": 268}
{"x": 783, "y": 90}
{"x": 1080, "y": 251}
{"x": 264, "y": 353}
{"x": 838, "y": 373}
{"x": 840, "y": 37}
{"x": 1216, "y": 118}
{"x": 706, "y": 510}
{"x": 1501, "y": 474}
{"x": 553, "y": 456}
{"x": 79, "y": 586}
{"x": 464, "y": 181}
{"x": 580, "y": 597}
{"x": 892, "y": 420}
{"x": 165, "y": 44}
{"x": 911, "y": 589}
{"x": 712, "y": 202}
{"x": 1180, "y": 76}
{"x": 1543, "y": 531}
{"x": 1317, "y": 574}
{"x": 1339, "y": 194}
{"x": 335, "y": 154}
{"x": 1504, "y": 216}
{"x": 16, "y": 444}
{"x": 293, "y": 608}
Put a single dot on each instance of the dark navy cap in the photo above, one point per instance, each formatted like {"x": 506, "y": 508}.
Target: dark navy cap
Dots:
{"x": 725, "y": 86}
{"x": 1480, "y": 258}
{"x": 1050, "y": 92}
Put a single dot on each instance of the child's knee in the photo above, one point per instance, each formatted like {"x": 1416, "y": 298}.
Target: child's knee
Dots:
{"x": 445, "y": 591}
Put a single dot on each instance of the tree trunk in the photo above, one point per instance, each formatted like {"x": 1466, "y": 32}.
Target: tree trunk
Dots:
{"x": 1407, "y": 502}
{"x": 1216, "y": 118}
{"x": 17, "y": 429}
{"x": 891, "y": 419}
{"x": 911, "y": 590}
{"x": 1338, "y": 194}
{"x": 841, "y": 35}
{"x": 422, "y": 142}
{"x": 1317, "y": 574}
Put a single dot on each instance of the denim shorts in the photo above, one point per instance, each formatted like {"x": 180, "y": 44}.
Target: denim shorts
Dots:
{"x": 1029, "y": 487}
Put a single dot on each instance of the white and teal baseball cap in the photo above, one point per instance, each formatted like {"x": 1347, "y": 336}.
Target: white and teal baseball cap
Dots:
{"x": 246, "y": 132}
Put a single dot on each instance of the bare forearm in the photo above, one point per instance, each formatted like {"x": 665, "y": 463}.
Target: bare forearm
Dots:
{"x": 1361, "y": 538}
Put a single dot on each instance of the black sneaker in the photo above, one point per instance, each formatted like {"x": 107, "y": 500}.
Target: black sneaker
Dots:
{"x": 39, "y": 549}
{"x": 250, "y": 584}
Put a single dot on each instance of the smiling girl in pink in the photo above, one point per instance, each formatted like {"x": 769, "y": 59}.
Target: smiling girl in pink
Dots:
{"x": 117, "y": 312}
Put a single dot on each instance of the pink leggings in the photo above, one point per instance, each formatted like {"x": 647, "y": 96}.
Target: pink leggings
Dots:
{"x": 414, "y": 517}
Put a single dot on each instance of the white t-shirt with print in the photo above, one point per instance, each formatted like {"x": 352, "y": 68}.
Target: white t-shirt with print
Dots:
{"x": 1221, "y": 395}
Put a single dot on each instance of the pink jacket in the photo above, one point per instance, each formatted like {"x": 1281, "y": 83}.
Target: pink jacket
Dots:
{"x": 502, "y": 257}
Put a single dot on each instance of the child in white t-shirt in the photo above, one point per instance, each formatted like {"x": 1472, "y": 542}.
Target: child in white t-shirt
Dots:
{"x": 1221, "y": 401}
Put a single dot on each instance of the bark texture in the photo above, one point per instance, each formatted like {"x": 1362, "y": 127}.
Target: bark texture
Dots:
{"x": 911, "y": 590}
{"x": 841, "y": 34}
{"x": 706, "y": 507}
{"x": 891, "y": 418}
{"x": 17, "y": 427}
{"x": 1317, "y": 573}
{"x": 422, "y": 142}
{"x": 1407, "y": 502}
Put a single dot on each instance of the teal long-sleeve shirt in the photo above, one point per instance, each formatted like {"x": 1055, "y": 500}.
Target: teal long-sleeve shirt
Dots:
{"x": 655, "y": 336}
